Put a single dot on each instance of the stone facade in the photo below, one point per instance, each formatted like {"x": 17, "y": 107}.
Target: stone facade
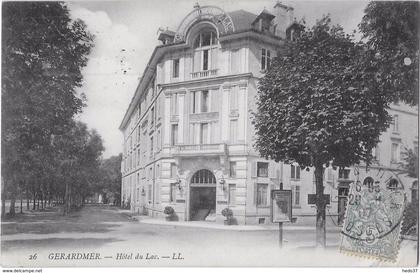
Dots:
{"x": 191, "y": 112}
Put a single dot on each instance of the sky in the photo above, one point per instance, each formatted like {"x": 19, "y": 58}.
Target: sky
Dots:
{"x": 126, "y": 34}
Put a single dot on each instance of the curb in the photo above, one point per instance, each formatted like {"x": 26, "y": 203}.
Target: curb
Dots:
{"x": 149, "y": 221}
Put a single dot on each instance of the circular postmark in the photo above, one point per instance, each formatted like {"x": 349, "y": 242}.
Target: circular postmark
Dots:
{"x": 375, "y": 210}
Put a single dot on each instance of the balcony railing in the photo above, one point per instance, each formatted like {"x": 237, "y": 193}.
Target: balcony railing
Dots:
{"x": 204, "y": 74}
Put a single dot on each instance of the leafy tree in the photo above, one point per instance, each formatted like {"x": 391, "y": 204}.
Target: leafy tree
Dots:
{"x": 111, "y": 181}
{"x": 318, "y": 105}
{"x": 79, "y": 154}
{"x": 411, "y": 163}
{"x": 390, "y": 29}
{"x": 43, "y": 52}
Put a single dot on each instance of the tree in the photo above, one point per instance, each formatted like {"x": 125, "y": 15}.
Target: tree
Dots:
{"x": 318, "y": 105}
{"x": 79, "y": 152}
{"x": 111, "y": 181}
{"x": 43, "y": 52}
{"x": 390, "y": 29}
{"x": 411, "y": 163}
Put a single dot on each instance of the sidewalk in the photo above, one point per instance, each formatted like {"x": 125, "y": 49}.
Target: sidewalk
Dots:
{"x": 220, "y": 226}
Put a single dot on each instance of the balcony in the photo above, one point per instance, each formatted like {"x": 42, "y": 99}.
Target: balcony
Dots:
{"x": 199, "y": 149}
{"x": 204, "y": 74}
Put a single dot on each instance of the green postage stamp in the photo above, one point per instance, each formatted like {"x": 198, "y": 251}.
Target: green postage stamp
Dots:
{"x": 374, "y": 216}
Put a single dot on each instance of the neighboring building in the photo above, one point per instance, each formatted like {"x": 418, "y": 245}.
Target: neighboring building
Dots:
{"x": 188, "y": 138}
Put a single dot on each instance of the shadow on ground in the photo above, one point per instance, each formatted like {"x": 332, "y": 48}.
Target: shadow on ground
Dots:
{"x": 98, "y": 219}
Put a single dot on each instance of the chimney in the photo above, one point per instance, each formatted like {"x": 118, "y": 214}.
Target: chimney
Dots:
{"x": 284, "y": 18}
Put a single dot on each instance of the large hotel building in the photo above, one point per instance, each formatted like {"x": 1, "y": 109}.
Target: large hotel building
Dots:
{"x": 188, "y": 136}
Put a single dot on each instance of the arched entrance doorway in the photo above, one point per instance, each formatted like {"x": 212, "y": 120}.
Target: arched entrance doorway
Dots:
{"x": 202, "y": 195}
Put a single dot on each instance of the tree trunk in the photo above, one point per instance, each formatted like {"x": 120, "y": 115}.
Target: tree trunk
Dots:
{"x": 27, "y": 197}
{"x": 320, "y": 207}
{"x": 34, "y": 203}
{"x": 3, "y": 198}
{"x": 12, "y": 211}
{"x": 67, "y": 196}
{"x": 13, "y": 186}
{"x": 21, "y": 203}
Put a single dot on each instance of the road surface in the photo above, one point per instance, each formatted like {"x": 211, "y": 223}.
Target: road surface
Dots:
{"x": 100, "y": 235}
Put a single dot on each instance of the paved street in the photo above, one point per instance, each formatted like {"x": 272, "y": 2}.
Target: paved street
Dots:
{"x": 111, "y": 233}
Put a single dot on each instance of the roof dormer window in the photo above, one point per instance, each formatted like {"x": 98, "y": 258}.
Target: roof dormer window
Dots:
{"x": 205, "y": 53}
{"x": 205, "y": 38}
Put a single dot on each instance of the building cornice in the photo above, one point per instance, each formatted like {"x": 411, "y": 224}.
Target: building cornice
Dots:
{"x": 205, "y": 80}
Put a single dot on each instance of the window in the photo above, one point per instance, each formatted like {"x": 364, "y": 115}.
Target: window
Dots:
{"x": 157, "y": 193}
{"x": 174, "y": 104}
{"x": 151, "y": 176}
{"x": 262, "y": 169}
{"x": 205, "y": 55}
{"x": 174, "y": 134}
{"x": 138, "y": 157}
{"x": 204, "y": 128}
{"x": 376, "y": 153}
{"x": 395, "y": 123}
{"x": 152, "y": 116}
{"x": 203, "y": 177}
{"x": 173, "y": 170}
{"x": 294, "y": 172}
{"x": 172, "y": 195}
{"x": 392, "y": 184}
{"x": 138, "y": 195}
{"x": 158, "y": 140}
{"x": 343, "y": 191}
{"x": 200, "y": 101}
{"x": 395, "y": 152}
{"x": 235, "y": 61}
{"x": 262, "y": 194}
{"x": 233, "y": 100}
{"x": 139, "y": 110}
{"x": 175, "y": 68}
{"x": 194, "y": 102}
{"x": 296, "y": 196}
{"x": 233, "y": 131}
{"x": 151, "y": 146}
{"x": 205, "y": 60}
{"x": 149, "y": 193}
{"x": 206, "y": 38}
{"x": 204, "y": 101}
{"x": 330, "y": 174}
{"x": 232, "y": 169}
{"x": 232, "y": 194}
{"x": 344, "y": 174}
{"x": 265, "y": 59}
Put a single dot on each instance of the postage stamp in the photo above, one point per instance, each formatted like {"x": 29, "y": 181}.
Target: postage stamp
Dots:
{"x": 375, "y": 212}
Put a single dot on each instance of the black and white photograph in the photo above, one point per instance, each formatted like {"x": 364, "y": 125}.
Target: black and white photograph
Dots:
{"x": 210, "y": 133}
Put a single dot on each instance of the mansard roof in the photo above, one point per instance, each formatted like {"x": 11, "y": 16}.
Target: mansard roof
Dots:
{"x": 242, "y": 19}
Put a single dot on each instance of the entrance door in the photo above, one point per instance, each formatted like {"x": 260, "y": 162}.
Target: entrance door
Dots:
{"x": 202, "y": 196}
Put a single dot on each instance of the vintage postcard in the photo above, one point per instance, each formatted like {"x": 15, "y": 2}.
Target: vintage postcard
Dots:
{"x": 209, "y": 133}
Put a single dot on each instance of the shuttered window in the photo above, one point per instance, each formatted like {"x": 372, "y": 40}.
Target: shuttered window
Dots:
{"x": 262, "y": 194}
{"x": 232, "y": 194}
{"x": 262, "y": 169}
{"x": 172, "y": 193}
{"x": 294, "y": 172}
